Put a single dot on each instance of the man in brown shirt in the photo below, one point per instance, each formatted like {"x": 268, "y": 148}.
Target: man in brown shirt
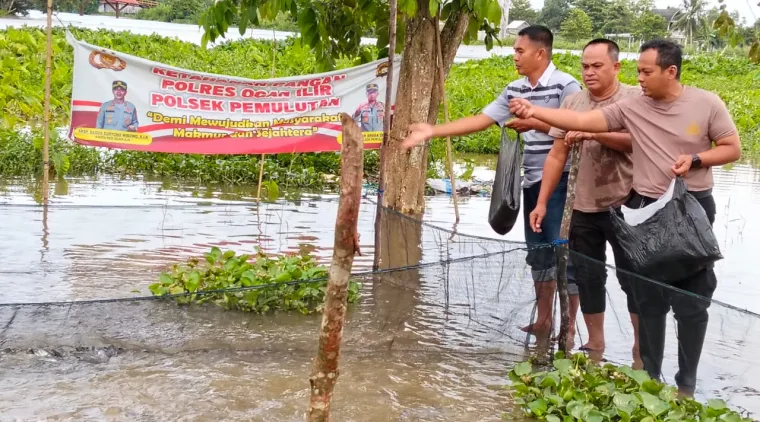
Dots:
{"x": 673, "y": 128}
{"x": 604, "y": 180}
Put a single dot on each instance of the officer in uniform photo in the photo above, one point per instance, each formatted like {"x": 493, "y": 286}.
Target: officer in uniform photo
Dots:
{"x": 118, "y": 114}
{"x": 369, "y": 116}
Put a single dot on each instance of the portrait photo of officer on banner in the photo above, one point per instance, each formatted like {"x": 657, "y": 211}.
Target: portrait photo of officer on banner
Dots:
{"x": 118, "y": 113}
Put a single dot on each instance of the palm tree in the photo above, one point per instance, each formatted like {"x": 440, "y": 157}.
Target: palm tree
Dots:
{"x": 691, "y": 17}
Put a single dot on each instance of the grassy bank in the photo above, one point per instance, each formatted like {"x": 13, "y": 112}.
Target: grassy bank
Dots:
{"x": 470, "y": 87}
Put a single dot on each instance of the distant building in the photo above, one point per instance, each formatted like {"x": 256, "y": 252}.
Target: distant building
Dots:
{"x": 120, "y": 6}
{"x": 516, "y": 26}
{"x": 671, "y": 15}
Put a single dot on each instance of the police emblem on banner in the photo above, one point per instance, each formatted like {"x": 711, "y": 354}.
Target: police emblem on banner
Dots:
{"x": 382, "y": 69}
{"x": 104, "y": 60}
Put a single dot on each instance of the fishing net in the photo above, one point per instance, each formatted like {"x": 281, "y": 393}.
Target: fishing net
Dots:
{"x": 74, "y": 294}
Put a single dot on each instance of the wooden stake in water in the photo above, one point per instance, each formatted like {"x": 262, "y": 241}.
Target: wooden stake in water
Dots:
{"x": 563, "y": 252}
{"x": 263, "y": 156}
{"x": 386, "y": 127}
{"x": 449, "y": 154}
{"x": 325, "y": 373}
{"x": 46, "y": 129}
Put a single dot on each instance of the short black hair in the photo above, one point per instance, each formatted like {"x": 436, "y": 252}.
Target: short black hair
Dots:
{"x": 539, "y": 34}
{"x": 668, "y": 54}
{"x": 612, "y": 48}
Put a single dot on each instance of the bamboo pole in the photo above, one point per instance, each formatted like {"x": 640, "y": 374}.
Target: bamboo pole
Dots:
{"x": 386, "y": 128}
{"x": 325, "y": 373}
{"x": 263, "y": 156}
{"x": 562, "y": 252}
{"x": 46, "y": 129}
{"x": 449, "y": 155}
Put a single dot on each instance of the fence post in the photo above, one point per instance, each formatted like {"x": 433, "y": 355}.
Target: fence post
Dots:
{"x": 562, "y": 252}
{"x": 325, "y": 373}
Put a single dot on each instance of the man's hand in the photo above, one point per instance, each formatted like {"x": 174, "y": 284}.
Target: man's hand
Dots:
{"x": 573, "y": 137}
{"x": 131, "y": 128}
{"x": 682, "y": 165}
{"x": 537, "y": 216}
{"x": 418, "y": 133}
{"x": 522, "y": 125}
{"x": 521, "y": 107}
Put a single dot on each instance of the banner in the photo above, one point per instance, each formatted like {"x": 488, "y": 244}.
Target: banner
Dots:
{"x": 123, "y": 101}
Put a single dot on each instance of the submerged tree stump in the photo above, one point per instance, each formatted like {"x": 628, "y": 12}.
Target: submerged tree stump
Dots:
{"x": 325, "y": 373}
{"x": 562, "y": 251}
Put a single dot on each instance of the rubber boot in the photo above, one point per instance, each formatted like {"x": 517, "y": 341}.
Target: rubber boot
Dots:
{"x": 691, "y": 338}
{"x": 652, "y": 343}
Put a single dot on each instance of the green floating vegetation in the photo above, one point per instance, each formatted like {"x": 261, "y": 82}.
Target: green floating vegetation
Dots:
{"x": 579, "y": 389}
{"x": 263, "y": 284}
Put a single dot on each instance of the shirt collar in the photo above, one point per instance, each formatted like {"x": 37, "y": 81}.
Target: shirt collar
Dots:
{"x": 544, "y": 79}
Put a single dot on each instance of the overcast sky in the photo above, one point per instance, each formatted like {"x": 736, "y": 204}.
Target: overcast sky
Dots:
{"x": 746, "y": 8}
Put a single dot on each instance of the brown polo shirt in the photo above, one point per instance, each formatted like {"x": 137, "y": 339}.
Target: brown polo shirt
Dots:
{"x": 604, "y": 174}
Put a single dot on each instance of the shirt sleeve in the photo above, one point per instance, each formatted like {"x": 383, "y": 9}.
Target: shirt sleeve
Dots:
{"x": 613, "y": 114}
{"x": 721, "y": 123}
{"x": 556, "y": 132}
{"x": 570, "y": 88}
{"x": 498, "y": 110}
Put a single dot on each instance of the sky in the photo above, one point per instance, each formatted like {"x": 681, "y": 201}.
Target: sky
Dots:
{"x": 746, "y": 8}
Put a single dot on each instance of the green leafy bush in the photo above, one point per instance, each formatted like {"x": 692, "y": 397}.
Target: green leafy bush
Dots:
{"x": 579, "y": 389}
{"x": 263, "y": 285}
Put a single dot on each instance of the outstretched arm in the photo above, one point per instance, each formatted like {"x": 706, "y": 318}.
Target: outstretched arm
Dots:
{"x": 590, "y": 121}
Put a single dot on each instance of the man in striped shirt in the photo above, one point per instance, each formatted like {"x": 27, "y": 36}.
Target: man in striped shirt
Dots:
{"x": 542, "y": 84}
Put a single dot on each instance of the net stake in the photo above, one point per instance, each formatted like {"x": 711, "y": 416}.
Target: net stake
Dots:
{"x": 325, "y": 372}
{"x": 46, "y": 135}
{"x": 441, "y": 84}
{"x": 562, "y": 253}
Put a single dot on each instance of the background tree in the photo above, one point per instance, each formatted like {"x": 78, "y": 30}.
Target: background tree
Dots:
{"x": 728, "y": 30}
{"x": 333, "y": 28}
{"x": 691, "y": 17}
{"x": 649, "y": 25}
{"x": 596, "y": 10}
{"x": 12, "y": 7}
{"x": 618, "y": 18}
{"x": 577, "y": 26}
{"x": 521, "y": 10}
{"x": 554, "y": 13}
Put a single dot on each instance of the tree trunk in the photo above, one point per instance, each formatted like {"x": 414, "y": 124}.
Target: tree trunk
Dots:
{"x": 326, "y": 372}
{"x": 417, "y": 100}
{"x": 562, "y": 251}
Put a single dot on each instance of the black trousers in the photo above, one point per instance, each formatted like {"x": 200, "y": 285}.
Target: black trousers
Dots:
{"x": 589, "y": 234}
{"x": 690, "y": 311}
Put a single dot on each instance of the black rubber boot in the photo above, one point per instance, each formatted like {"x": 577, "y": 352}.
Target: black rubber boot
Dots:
{"x": 691, "y": 338}
{"x": 652, "y": 343}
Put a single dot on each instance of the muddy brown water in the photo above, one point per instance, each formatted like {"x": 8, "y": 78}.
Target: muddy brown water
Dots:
{"x": 406, "y": 355}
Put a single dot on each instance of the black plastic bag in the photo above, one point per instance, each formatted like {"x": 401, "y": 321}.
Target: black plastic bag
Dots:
{"x": 507, "y": 185}
{"x": 668, "y": 240}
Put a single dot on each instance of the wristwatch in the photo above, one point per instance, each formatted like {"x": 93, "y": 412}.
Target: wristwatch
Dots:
{"x": 696, "y": 162}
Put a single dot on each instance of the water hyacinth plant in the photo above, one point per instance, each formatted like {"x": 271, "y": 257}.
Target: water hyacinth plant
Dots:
{"x": 579, "y": 389}
{"x": 260, "y": 285}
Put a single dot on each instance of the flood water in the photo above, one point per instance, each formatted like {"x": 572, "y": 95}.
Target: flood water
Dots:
{"x": 416, "y": 347}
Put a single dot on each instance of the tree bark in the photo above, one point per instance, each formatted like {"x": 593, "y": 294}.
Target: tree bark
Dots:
{"x": 325, "y": 373}
{"x": 417, "y": 100}
{"x": 562, "y": 251}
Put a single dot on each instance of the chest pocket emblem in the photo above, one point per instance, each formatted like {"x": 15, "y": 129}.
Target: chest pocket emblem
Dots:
{"x": 693, "y": 129}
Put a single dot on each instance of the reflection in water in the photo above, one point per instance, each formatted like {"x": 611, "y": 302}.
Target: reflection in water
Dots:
{"x": 429, "y": 343}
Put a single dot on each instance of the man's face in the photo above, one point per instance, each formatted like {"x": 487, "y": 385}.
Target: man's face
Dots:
{"x": 653, "y": 79}
{"x": 372, "y": 95}
{"x": 599, "y": 70}
{"x": 528, "y": 55}
{"x": 119, "y": 93}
